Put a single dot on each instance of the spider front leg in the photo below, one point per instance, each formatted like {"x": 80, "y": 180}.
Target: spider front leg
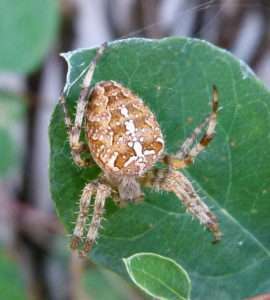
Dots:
{"x": 85, "y": 201}
{"x": 187, "y": 153}
{"x": 102, "y": 193}
{"x": 176, "y": 182}
{"x": 74, "y": 130}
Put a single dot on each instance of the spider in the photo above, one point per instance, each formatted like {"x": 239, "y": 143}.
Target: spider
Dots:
{"x": 125, "y": 140}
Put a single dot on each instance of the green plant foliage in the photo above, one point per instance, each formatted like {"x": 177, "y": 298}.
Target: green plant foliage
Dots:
{"x": 27, "y": 29}
{"x": 11, "y": 283}
{"x": 174, "y": 76}
{"x": 98, "y": 283}
{"x": 106, "y": 285}
{"x": 11, "y": 133}
{"x": 158, "y": 276}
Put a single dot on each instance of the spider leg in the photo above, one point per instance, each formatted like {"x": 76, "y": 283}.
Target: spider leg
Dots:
{"x": 103, "y": 192}
{"x": 74, "y": 130}
{"x": 85, "y": 200}
{"x": 176, "y": 182}
{"x": 185, "y": 148}
{"x": 186, "y": 155}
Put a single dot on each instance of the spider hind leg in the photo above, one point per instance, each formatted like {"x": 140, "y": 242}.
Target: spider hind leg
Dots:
{"x": 74, "y": 129}
{"x": 187, "y": 152}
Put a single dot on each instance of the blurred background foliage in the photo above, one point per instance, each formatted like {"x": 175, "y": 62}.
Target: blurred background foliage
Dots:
{"x": 27, "y": 30}
{"x": 33, "y": 255}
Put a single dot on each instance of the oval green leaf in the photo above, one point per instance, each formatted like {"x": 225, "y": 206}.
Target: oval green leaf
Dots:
{"x": 158, "y": 276}
{"x": 27, "y": 29}
{"x": 174, "y": 76}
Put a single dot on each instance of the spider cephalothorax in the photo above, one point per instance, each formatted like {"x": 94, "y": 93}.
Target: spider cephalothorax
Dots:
{"x": 125, "y": 141}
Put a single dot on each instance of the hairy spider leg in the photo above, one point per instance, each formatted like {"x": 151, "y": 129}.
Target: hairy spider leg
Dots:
{"x": 186, "y": 155}
{"x": 103, "y": 192}
{"x": 74, "y": 131}
{"x": 85, "y": 201}
{"x": 176, "y": 182}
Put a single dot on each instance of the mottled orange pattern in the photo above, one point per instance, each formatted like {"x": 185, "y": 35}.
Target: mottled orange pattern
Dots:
{"x": 123, "y": 135}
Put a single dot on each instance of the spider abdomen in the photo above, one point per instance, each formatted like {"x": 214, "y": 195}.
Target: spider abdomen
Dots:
{"x": 123, "y": 134}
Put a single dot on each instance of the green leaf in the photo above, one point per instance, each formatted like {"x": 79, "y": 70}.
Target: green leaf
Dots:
{"x": 11, "y": 283}
{"x": 12, "y": 111}
{"x": 27, "y": 29}
{"x": 174, "y": 76}
{"x": 158, "y": 276}
{"x": 97, "y": 282}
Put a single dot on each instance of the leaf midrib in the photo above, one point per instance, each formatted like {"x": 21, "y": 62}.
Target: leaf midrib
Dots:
{"x": 159, "y": 281}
